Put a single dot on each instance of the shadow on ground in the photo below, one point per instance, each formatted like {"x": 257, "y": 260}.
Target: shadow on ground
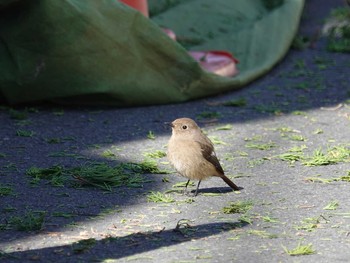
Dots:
{"x": 125, "y": 246}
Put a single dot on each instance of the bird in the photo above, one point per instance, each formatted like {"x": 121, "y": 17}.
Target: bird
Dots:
{"x": 192, "y": 153}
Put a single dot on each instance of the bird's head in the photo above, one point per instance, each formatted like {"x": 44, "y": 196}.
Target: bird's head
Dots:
{"x": 184, "y": 127}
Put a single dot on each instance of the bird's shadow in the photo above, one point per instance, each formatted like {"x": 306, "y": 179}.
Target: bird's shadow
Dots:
{"x": 210, "y": 190}
{"x": 215, "y": 190}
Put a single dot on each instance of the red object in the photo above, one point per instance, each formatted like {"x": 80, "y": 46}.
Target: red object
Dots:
{"x": 170, "y": 33}
{"x": 219, "y": 62}
{"x": 140, "y": 5}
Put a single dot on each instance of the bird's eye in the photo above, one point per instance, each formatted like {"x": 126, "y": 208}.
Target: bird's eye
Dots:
{"x": 184, "y": 127}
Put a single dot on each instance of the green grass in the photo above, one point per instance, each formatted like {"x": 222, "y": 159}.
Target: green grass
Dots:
{"x": 330, "y": 156}
{"x": 293, "y": 154}
{"x": 333, "y": 205}
{"x": 103, "y": 176}
{"x": 183, "y": 226}
{"x": 54, "y": 174}
{"x": 155, "y": 155}
{"x": 209, "y": 115}
{"x": 299, "y": 63}
{"x": 45, "y": 173}
{"x": 30, "y": 221}
{"x": 53, "y": 140}
{"x": 319, "y": 180}
{"x": 138, "y": 259}
{"x": 261, "y": 146}
{"x": 255, "y": 162}
{"x": 9, "y": 209}
{"x": 285, "y": 129}
{"x": 245, "y": 219}
{"x": 224, "y": 127}
{"x": 212, "y": 194}
{"x": 318, "y": 131}
{"x": 237, "y": 207}
{"x": 340, "y": 12}
{"x": 299, "y": 113}
{"x": 298, "y": 149}
{"x": 300, "y": 42}
{"x": 58, "y": 112}
{"x": 63, "y": 214}
{"x": 9, "y": 167}
{"x": 341, "y": 45}
{"x": 151, "y": 135}
{"x": 300, "y": 250}
{"x": 183, "y": 184}
{"x": 291, "y": 157}
{"x": 4, "y": 227}
{"x": 345, "y": 178}
{"x": 319, "y": 157}
{"x": 310, "y": 224}
{"x": 147, "y": 166}
{"x": 323, "y": 63}
{"x": 216, "y": 140}
{"x": 230, "y": 157}
{"x": 270, "y": 108}
{"x": 269, "y": 219}
{"x": 108, "y": 154}
{"x": 339, "y": 34}
{"x": 240, "y": 102}
{"x": 261, "y": 233}
{"x": 158, "y": 197}
{"x": 83, "y": 245}
{"x": 100, "y": 175}
{"x": 254, "y": 138}
{"x": 18, "y": 115}
{"x": 302, "y": 86}
{"x": 63, "y": 154}
{"x": 296, "y": 137}
{"x": 25, "y": 133}
{"x": 5, "y": 190}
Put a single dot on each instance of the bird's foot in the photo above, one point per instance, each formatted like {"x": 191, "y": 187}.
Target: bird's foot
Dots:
{"x": 189, "y": 193}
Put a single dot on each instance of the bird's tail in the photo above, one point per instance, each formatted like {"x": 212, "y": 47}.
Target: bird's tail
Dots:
{"x": 229, "y": 182}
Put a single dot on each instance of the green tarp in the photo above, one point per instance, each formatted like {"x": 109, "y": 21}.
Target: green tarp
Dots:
{"x": 101, "y": 52}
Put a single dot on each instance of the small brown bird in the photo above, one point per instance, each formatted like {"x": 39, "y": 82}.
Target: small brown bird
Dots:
{"x": 192, "y": 153}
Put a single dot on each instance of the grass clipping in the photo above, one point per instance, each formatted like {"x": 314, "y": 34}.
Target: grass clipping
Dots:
{"x": 319, "y": 157}
{"x": 300, "y": 250}
{"x": 100, "y": 175}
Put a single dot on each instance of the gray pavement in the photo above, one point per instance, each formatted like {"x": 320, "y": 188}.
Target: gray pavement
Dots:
{"x": 287, "y": 146}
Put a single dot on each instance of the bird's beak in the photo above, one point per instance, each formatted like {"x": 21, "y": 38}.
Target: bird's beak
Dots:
{"x": 169, "y": 124}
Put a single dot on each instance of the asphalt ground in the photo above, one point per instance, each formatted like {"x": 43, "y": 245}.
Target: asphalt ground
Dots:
{"x": 284, "y": 140}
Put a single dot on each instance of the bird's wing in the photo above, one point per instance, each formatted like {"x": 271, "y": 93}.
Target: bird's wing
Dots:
{"x": 209, "y": 154}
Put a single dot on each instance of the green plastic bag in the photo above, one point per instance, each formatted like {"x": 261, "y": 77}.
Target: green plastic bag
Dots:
{"x": 101, "y": 52}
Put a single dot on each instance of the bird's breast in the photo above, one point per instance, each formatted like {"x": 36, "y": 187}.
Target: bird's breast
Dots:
{"x": 187, "y": 158}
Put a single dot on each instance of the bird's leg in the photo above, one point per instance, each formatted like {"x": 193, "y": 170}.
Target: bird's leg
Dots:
{"x": 185, "y": 190}
{"x": 195, "y": 193}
